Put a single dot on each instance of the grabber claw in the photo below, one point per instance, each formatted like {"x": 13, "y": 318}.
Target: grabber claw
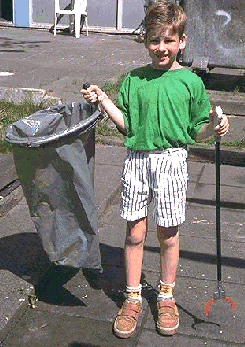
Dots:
{"x": 218, "y": 294}
{"x": 208, "y": 304}
{"x": 232, "y": 302}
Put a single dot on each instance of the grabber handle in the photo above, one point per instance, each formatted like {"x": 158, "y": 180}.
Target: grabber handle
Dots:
{"x": 86, "y": 85}
{"x": 216, "y": 120}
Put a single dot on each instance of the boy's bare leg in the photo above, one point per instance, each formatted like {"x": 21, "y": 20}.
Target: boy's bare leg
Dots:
{"x": 168, "y": 316}
{"x": 134, "y": 243}
{"x": 127, "y": 318}
{"x": 169, "y": 253}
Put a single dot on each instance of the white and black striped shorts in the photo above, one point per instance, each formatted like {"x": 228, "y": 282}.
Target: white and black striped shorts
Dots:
{"x": 158, "y": 176}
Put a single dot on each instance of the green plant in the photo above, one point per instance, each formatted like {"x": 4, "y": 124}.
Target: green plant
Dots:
{"x": 228, "y": 144}
{"x": 32, "y": 299}
{"x": 235, "y": 144}
{"x": 237, "y": 90}
{"x": 10, "y": 112}
{"x": 105, "y": 129}
{"x": 112, "y": 88}
{"x": 22, "y": 291}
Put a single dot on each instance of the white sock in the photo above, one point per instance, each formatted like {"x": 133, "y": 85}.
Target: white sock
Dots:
{"x": 134, "y": 293}
{"x": 165, "y": 291}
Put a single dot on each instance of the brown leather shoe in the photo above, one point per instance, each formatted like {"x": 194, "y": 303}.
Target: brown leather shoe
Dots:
{"x": 127, "y": 318}
{"x": 167, "y": 317}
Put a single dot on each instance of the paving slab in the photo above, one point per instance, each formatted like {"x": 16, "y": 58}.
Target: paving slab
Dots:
{"x": 202, "y": 183}
{"x": 45, "y": 329}
{"x": 9, "y": 176}
{"x": 147, "y": 336}
{"x": 107, "y": 159}
{"x": 22, "y": 260}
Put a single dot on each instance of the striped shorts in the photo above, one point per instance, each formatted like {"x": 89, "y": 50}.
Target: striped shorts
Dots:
{"x": 157, "y": 176}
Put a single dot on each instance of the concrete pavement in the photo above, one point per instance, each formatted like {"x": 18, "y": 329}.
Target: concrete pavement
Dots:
{"x": 78, "y": 308}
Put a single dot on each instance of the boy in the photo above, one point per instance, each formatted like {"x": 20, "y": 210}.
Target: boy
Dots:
{"x": 161, "y": 108}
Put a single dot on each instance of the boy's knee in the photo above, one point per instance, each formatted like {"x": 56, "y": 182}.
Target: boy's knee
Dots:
{"x": 136, "y": 232}
{"x": 135, "y": 238}
{"x": 168, "y": 236}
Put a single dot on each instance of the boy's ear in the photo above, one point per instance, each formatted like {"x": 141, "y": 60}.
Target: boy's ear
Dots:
{"x": 183, "y": 40}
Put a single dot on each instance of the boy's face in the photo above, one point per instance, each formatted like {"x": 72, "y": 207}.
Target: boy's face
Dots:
{"x": 163, "y": 49}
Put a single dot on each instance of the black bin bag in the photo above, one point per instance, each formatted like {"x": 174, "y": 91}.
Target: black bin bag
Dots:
{"x": 54, "y": 156}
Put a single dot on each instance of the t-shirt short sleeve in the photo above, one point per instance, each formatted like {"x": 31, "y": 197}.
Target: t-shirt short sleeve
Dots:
{"x": 199, "y": 109}
{"x": 123, "y": 101}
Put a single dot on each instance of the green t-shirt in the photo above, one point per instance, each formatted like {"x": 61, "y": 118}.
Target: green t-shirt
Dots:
{"x": 162, "y": 109}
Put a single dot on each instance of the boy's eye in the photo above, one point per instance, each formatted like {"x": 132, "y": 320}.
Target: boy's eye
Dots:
{"x": 155, "y": 41}
{"x": 169, "y": 39}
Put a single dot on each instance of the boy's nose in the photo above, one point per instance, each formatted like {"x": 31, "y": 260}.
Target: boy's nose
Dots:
{"x": 161, "y": 46}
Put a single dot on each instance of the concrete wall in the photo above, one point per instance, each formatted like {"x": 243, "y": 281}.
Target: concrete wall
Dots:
{"x": 43, "y": 11}
{"x": 216, "y": 31}
{"x": 133, "y": 13}
{"x": 101, "y": 13}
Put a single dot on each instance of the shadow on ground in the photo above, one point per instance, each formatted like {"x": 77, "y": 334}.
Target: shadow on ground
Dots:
{"x": 23, "y": 255}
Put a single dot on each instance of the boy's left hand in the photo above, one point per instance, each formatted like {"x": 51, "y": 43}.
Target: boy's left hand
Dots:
{"x": 223, "y": 128}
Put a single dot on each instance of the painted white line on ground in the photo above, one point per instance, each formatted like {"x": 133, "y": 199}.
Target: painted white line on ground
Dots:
{"x": 5, "y": 73}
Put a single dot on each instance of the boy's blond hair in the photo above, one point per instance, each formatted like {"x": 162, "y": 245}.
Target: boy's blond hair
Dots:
{"x": 162, "y": 16}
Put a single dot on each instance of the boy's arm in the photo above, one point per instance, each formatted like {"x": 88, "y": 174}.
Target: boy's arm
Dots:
{"x": 94, "y": 94}
{"x": 208, "y": 129}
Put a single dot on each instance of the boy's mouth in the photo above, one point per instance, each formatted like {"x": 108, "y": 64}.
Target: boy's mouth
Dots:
{"x": 160, "y": 55}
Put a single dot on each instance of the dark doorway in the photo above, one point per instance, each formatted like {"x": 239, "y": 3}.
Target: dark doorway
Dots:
{"x": 6, "y": 10}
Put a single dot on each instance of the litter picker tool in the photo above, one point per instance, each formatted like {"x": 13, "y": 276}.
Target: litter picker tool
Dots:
{"x": 86, "y": 85}
{"x": 219, "y": 292}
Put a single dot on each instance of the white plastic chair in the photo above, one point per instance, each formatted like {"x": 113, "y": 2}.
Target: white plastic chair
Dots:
{"x": 78, "y": 8}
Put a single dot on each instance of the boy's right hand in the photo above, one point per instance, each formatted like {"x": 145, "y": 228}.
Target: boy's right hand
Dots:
{"x": 222, "y": 128}
{"x": 93, "y": 94}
